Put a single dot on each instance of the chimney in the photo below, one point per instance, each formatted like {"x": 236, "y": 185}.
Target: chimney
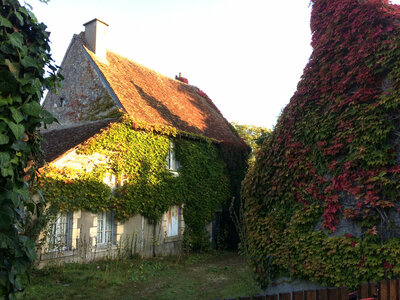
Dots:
{"x": 96, "y": 37}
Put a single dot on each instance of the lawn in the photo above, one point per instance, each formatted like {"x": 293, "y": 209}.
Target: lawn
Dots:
{"x": 195, "y": 276}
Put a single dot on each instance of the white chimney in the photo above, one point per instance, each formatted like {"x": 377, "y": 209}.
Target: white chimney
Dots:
{"x": 96, "y": 37}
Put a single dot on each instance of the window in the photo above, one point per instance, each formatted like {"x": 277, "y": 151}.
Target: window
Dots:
{"x": 105, "y": 227}
{"x": 171, "y": 219}
{"x": 172, "y": 163}
{"x": 59, "y": 232}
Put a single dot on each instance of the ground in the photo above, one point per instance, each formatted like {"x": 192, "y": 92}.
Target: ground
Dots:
{"x": 195, "y": 276}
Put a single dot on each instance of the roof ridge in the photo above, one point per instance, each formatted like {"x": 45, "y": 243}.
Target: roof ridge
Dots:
{"x": 70, "y": 126}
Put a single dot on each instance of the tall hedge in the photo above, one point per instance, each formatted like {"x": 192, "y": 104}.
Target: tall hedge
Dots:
{"x": 333, "y": 157}
{"x": 24, "y": 56}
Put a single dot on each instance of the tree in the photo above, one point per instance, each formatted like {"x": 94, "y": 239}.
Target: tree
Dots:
{"x": 26, "y": 70}
{"x": 253, "y": 136}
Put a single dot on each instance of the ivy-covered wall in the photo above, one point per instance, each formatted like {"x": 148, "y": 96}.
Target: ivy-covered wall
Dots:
{"x": 136, "y": 155}
{"x": 333, "y": 157}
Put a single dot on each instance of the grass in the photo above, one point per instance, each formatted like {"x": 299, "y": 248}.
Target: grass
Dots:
{"x": 195, "y": 276}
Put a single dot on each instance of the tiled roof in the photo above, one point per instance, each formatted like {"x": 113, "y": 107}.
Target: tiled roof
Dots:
{"x": 150, "y": 97}
{"x": 59, "y": 141}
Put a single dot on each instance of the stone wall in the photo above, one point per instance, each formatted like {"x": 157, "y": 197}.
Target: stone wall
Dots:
{"x": 83, "y": 96}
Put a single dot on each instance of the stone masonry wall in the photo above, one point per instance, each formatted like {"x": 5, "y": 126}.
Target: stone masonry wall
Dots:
{"x": 82, "y": 97}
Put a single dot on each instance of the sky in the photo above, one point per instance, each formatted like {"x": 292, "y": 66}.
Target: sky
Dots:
{"x": 247, "y": 56}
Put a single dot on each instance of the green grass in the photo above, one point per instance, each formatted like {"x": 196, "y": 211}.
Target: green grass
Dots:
{"x": 195, "y": 276}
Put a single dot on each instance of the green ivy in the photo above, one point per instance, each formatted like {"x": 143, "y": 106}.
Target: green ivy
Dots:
{"x": 26, "y": 69}
{"x": 136, "y": 153}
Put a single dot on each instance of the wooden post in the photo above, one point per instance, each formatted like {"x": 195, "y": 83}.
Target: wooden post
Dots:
{"x": 383, "y": 290}
{"x": 343, "y": 293}
{"x": 298, "y": 295}
{"x": 322, "y": 294}
{"x": 284, "y": 296}
{"x": 364, "y": 290}
{"x": 310, "y": 295}
{"x": 333, "y": 294}
{"x": 373, "y": 291}
{"x": 394, "y": 289}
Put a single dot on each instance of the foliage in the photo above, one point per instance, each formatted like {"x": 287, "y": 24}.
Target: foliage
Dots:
{"x": 236, "y": 159}
{"x": 333, "y": 156}
{"x": 24, "y": 56}
{"x": 136, "y": 153}
{"x": 252, "y": 135}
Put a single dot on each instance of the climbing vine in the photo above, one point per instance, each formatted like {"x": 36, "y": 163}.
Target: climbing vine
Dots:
{"x": 332, "y": 159}
{"x": 24, "y": 57}
{"x": 135, "y": 153}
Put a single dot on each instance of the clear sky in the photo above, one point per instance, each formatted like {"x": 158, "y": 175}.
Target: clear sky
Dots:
{"x": 247, "y": 56}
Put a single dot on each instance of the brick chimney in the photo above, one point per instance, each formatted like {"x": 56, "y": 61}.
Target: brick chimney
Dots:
{"x": 96, "y": 37}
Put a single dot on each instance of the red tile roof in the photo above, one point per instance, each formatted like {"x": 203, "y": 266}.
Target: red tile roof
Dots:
{"x": 150, "y": 97}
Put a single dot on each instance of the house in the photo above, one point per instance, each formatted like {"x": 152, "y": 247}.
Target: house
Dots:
{"x": 136, "y": 160}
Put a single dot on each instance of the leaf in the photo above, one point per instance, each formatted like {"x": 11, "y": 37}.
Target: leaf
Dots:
{"x": 13, "y": 67}
{"x": 4, "y": 158}
{"x": 5, "y": 218}
{"x": 47, "y": 117}
{"x": 16, "y": 39}
{"x": 7, "y": 171}
{"x": 32, "y": 109}
{"x": 4, "y": 139}
{"x": 19, "y": 17}
{"x": 24, "y": 193}
{"x": 17, "y": 116}
{"x": 5, "y": 101}
{"x": 28, "y": 61}
{"x": 5, "y": 23}
{"x": 20, "y": 146}
{"x": 17, "y": 129}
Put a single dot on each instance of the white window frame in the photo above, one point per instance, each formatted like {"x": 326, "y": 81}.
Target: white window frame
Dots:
{"x": 105, "y": 228}
{"x": 171, "y": 162}
{"x": 59, "y": 232}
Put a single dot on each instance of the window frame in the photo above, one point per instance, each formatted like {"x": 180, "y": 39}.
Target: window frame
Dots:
{"x": 168, "y": 215}
{"x": 107, "y": 228}
{"x": 59, "y": 233}
{"x": 172, "y": 164}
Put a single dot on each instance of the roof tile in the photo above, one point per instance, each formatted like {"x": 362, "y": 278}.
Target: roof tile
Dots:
{"x": 153, "y": 98}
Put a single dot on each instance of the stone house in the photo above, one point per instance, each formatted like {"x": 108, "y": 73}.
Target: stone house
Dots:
{"x": 100, "y": 85}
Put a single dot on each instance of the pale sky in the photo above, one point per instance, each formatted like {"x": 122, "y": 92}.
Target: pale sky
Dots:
{"x": 247, "y": 56}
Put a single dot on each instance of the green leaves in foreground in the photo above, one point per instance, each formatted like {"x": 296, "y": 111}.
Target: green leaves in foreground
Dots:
{"x": 24, "y": 56}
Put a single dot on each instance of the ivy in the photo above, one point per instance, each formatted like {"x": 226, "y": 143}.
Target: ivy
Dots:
{"x": 24, "y": 57}
{"x": 333, "y": 155}
{"x": 136, "y": 153}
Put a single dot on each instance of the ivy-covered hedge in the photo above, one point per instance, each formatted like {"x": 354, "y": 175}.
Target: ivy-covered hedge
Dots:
{"x": 136, "y": 153}
{"x": 333, "y": 156}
